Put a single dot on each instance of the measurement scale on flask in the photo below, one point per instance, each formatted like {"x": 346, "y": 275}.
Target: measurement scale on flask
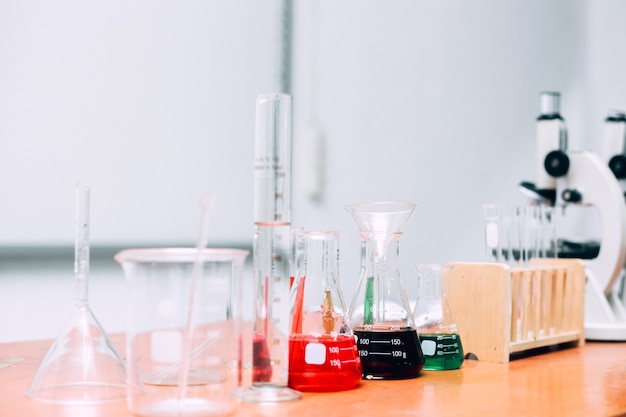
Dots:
{"x": 389, "y": 353}
{"x": 442, "y": 351}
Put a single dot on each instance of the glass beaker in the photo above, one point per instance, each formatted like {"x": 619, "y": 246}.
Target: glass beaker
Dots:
{"x": 379, "y": 313}
{"x": 323, "y": 356}
{"x": 439, "y": 337}
{"x": 183, "y": 328}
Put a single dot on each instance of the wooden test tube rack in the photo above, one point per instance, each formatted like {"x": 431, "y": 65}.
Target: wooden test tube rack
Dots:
{"x": 500, "y": 311}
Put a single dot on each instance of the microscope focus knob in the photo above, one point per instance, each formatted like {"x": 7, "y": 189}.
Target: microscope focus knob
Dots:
{"x": 556, "y": 163}
{"x": 571, "y": 196}
{"x": 618, "y": 166}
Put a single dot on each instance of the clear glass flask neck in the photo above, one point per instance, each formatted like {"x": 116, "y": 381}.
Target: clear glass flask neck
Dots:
{"x": 381, "y": 299}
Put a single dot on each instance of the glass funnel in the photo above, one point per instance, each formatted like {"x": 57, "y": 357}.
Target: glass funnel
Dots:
{"x": 82, "y": 365}
{"x": 380, "y": 314}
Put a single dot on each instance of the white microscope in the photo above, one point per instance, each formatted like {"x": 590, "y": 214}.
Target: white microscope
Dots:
{"x": 565, "y": 177}
{"x": 614, "y": 145}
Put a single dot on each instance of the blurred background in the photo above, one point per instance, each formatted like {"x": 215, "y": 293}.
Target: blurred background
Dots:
{"x": 153, "y": 103}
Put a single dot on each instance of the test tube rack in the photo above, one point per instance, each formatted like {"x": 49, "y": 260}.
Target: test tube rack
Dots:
{"x": 501, "y": 311}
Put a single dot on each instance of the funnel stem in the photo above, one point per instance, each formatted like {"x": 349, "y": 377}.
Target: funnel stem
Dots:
{"x": 379, "y": 314}
{"x": 81, "y": 244}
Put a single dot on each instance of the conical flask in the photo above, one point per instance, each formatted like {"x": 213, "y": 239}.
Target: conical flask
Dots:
{"x": 439, "y": 337}
{"x": 323, "y": 356}
{"x": 379, "y": 313}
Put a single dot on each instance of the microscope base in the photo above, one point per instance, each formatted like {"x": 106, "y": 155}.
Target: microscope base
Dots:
{"x": 605, "y": 332}
{"x": 605, "y": 314}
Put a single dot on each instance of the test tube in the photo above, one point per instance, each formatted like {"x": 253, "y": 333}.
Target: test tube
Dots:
{"x": 548, "y": 240}
{"x": 271, "y": 251}
{"x": 493, "y": 232}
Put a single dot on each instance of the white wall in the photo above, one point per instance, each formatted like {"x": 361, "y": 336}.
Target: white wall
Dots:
{"x": 605, "y": 65}
{"x": 430, "y": 102}
{"x": 153, "y": 103}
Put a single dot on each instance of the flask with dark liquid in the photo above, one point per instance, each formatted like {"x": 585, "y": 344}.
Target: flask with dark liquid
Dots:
{"x": 380, "y": 314}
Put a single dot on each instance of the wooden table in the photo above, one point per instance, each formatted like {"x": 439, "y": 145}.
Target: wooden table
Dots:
{"x": 578, "y": 381}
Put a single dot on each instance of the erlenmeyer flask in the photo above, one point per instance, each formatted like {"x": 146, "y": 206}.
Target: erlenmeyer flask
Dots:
{"x": 380, "y": 314}
{"x": 323, "y": 356}
{"x": 439, "y": 337}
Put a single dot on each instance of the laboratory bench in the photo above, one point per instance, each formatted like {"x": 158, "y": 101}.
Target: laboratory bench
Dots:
{"x": 589, "y": 380}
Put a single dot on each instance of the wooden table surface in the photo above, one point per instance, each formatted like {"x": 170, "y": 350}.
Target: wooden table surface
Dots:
{"x": 578, "y": 381}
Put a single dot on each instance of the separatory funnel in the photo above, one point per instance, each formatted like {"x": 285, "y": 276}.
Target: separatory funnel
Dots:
{"x": 380, "y": 313}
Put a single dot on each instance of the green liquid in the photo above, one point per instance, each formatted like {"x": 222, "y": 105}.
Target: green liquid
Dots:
{"x": 441, "y": 351}
{"x": 368, "y": 306}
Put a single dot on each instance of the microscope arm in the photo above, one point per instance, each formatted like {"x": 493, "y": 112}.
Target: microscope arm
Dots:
{"x": 590, "y": 178}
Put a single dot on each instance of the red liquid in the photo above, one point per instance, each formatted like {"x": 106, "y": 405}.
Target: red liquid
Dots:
{"x": 261, "y": 361}
{"x": 323, "y": 364}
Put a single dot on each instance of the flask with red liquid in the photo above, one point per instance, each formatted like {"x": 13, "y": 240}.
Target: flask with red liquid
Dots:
{"x": 323, "y": 355}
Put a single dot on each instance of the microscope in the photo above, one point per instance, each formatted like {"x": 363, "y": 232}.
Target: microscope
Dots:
{"x": 614, "y": 145}
{"x": 566, "y": 177}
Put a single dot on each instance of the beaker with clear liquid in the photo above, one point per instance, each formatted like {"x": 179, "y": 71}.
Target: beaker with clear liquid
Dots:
{"x": 380, "y": 314}
{"x": 183, "y": 349}
{"x": 437, "y": 330}
{"x": 323, "y": 356}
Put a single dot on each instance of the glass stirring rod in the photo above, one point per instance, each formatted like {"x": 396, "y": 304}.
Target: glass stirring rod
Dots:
{"x": 81, "y": 248}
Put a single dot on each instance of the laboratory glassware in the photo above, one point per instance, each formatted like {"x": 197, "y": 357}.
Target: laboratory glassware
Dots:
{"x": 514, "y": 234}
{"x": 271, "y": 251}
{"x": 183, "y": 330}
{"x": 437, "y": 330}
{"x": 380, "y": 314}
{"x": 515, "y": 230}
{"x": 548, "y": 243}
{"x": 82, "y": 366}
{"x": 495, "y": 247}
{"x": 323, "y": 356}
